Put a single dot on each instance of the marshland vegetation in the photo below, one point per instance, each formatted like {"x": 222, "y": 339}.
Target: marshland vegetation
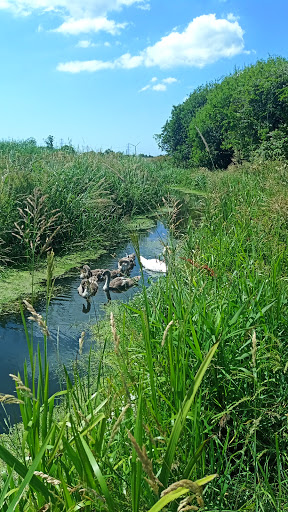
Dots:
{"x": 79, "y": 204}
{"x": 187, "y": 384}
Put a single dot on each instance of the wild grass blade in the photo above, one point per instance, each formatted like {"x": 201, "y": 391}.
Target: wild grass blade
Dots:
{"x": 181, "y": 417}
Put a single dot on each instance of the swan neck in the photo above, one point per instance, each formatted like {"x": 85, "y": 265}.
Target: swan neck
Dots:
{"x": 107, "y": 281}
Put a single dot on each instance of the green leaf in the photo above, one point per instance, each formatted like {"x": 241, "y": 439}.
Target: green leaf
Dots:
{"x": 181, "y": 416}
{"x": 173, "y": 495}
{"x": 14, "y": 463}
{"x": 98, "y": 475}
{"x": 29, "y": 476}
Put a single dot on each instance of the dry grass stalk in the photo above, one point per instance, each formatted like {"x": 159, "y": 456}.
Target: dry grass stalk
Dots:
{"x": 10, "y": 399}
{"x": 116, "y": 338}
{"x": 166, "y": 332}
{"x": 37, "y": 318}
{"x": 174, "y": 208}
{"x": 254, "y": 349}
{"x": 36, "y": 227}
{"x": 44, "y": 508}
{"x": 255, "y": 425}
{"x": 20, "y": 386}
{"x": 192, "y": 486}
{"x": 187, "y": 484}
{"x": 49, "y": 479}
{"x": 81, "y": 342}
{"x": 153, "y": 481}
{"x": 185, "y": 504}
{"x": 118, "y": 423}
{"x": 3, "y": 254}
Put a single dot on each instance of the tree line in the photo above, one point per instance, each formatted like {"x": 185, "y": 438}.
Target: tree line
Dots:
{"x": 238, "y": 118}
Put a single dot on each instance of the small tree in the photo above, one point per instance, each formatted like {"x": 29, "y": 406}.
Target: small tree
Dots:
{"x": 49, "y": 142}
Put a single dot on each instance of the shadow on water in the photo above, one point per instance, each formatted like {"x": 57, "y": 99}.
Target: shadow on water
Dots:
{"x": 68, "y": 315}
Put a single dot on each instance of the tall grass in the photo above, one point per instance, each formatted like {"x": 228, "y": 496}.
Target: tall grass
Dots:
{"x": 93, "y": 194}
{"x": 190, "y": 382}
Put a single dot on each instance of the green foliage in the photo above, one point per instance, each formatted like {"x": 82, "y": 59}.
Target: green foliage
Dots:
{"x": 173, "y": 138}
{"x": 275, "y": 146}
{"x": 93, "y": 194}
{"x": 238, "y": 115}
{"x": 159, "y": 405}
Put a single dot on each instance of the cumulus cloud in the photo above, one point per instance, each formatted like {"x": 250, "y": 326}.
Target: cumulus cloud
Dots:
{"x": 80, "y": 16}
{"x": 77, "y": 66}
{"x": 205, "y": 40}
{"x": 161, "y": 86}
{"x": 169, "y": 80}
{"x": 72, "y": 8}
{"x": 84, "y": 44}
{"x": 144, "y": 7}
{"x": 232, "y": 17}
{"x": 86, "y": 25}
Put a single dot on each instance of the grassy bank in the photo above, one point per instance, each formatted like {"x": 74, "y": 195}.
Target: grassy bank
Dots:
{"x": 81, "y": 205}
{"x": 189, "y": 380}
{"x": 71, "y": 201}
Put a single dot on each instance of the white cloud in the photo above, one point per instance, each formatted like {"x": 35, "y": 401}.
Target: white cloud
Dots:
{"x": 71, "y": 8}
{"x": 84, "y": 44}
{"x": 205, "y": 40}
{"x": 86, "y": 25}
{"x": 79, "y": 15}
{"x": 145, "y": 88}
{"x": 169, "y": 80}
{"x": 126, "y": 61}
{"x": 144, "y": 7}
{"x": 232, "y": 17}
{"x": 77, "y": 66}
{"x": 159, "y": 87}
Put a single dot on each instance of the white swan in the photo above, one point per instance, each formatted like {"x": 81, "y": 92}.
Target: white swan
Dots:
{"x": 153, "y": 264}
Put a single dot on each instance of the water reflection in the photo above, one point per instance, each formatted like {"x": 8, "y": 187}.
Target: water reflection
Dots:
{"x": 68, "y": 315}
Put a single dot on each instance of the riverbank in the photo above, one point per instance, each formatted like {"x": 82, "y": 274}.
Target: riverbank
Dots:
{"x": 193, "y": 369}
{"x": 16, "y": 284}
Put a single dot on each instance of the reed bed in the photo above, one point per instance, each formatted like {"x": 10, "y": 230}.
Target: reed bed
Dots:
{"x": 185, "y": 403}
{"x": 84, "y": 197}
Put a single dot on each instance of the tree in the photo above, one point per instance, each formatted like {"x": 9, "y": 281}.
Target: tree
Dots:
{"x": 49, "y": 142}
{"x": 231, "y": 118}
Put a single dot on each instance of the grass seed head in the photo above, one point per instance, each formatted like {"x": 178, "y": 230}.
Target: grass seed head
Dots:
{"x": 35, "y": 317}
{"x": 153, "y": 481}
{"x": 81, "y": 342}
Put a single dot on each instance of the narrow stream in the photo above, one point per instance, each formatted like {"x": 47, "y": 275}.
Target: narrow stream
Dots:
{"x": 69, "y": 315}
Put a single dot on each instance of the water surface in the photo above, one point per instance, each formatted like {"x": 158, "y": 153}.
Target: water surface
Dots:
{"x": 69, "y": 315}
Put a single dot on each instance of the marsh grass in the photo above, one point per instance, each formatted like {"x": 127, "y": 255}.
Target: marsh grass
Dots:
{"x": 88, "y": 197}
{"x": 194, "y": 368}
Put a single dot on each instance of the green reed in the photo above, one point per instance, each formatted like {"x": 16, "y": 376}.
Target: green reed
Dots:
{"x": 92, "y": 194}
{"x": 190, "y": 382}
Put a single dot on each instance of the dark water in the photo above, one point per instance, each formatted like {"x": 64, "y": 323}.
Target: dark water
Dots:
{"x": 69, "y": 315}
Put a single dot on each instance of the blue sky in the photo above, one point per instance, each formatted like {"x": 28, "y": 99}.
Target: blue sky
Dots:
{"x": 104, "y": 73}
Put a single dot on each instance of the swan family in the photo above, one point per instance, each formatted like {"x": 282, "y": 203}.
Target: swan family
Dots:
{"x": 116, "y": 280}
